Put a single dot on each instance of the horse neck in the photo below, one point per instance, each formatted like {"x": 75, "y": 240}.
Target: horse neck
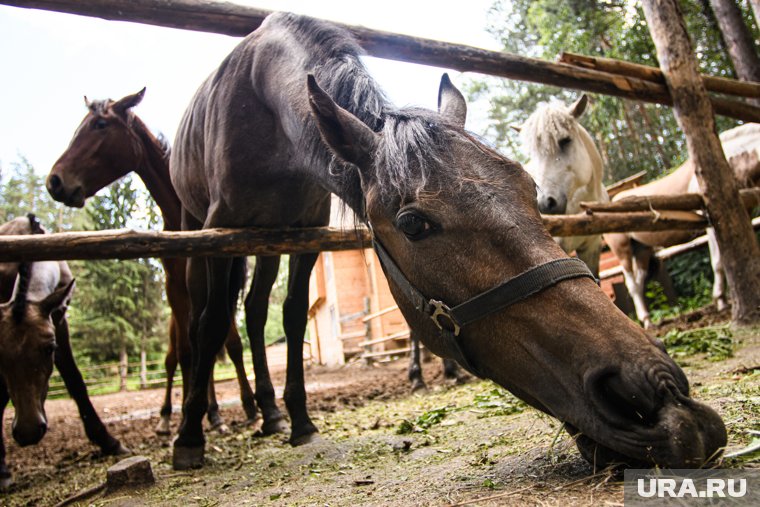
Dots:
{"x": 154, "y": 171}
{"x": 598, "y": 192}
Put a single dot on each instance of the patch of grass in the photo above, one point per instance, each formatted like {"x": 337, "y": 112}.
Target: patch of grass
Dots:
{"x": 716, "y": 342}
{"x": 497, "y": 402}
{"x": 422, "y": 423}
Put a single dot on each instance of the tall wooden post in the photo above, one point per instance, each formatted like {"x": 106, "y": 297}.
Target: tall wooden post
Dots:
{"x": 736, "y": 239}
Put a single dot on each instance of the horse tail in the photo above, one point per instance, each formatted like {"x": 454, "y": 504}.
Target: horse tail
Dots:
{"x": 20, "y": 294}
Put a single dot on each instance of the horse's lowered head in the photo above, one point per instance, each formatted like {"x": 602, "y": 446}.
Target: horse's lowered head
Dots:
{"x": 453, "y": 220}
{"x": 27, "y": 348}
{"x": 564, "y": 161}
{"x": 103, "y": 139}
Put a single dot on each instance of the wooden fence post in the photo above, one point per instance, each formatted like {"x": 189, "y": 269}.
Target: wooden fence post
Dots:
{"x": 736, "y": 238}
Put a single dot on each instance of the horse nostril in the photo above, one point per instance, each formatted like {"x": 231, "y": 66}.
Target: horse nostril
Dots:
{"x": 54, "y": 182}
{"x": 624, "y": 399}
{"x": 551, "y": 202}
{"x": 43, "y": 429}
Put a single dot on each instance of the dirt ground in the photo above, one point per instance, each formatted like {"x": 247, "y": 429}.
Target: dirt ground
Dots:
{"x": 381, "y": 445}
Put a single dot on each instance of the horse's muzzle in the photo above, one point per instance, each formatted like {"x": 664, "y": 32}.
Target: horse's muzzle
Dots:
{"x": 649, "y": 419}
{"x": 59, "y": 192}
{"x": 29, "y": 434}
{"x": 552, "y": 204}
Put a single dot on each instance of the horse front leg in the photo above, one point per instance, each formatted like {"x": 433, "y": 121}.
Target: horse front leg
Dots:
{"x": 256, "y": 307}
{"x": 294, "y": 312}
{"x": 209, "y": 284}
{"x": 719, "y": 273}
{"x": 6, "y": 479}
{"x": 415, "y": 366}
{"x": 72, "y": 378}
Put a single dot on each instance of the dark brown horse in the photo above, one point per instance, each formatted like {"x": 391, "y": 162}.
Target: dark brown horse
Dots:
{"x": 263, "y": 144}
{"x": 111, "y": 142}
{"x": 34, "y": 335}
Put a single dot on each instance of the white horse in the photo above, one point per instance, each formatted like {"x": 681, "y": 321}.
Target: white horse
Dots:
{"x": 741, "y": 146}
{"x": 567, "y": 168}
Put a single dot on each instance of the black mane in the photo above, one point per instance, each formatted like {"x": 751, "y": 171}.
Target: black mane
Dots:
{"x": 412, "y": 138}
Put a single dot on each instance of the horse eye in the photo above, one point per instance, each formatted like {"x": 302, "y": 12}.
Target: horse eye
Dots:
{"x": 100, "y": 123}
{"x": 49, "y": 349}
{"x": 413, "y": 225}
{"x": 564, "y": 142}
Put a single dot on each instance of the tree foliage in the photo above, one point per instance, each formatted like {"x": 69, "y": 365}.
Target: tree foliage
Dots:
{"x": 632, "y": 136}
{"x": 117, "y": 304}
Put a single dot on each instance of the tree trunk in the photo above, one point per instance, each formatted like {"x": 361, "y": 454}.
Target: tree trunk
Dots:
{"x": 709, "y": 12}
{"x": 738, "y": 40}
{"x": 736, "y": 239}
{"x": 756, "y": 10}
{"x": 655, "y": 136}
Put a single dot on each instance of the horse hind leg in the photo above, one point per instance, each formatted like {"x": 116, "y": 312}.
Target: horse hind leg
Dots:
{"x": 635, "y": 281}
{"x": 719, "y": 282}
{"x": 235, "y": 351}
{"x": 256, "y": 307}
{"x": 170, "y": 363}
{"x": 415, "y": 367}
{"x": 295, "y": 311}
{"x": 212, "y": 414}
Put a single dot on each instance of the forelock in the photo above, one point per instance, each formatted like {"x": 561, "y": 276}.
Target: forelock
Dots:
{"x": 411, "y": 146}
{"x": 549, "y": 123}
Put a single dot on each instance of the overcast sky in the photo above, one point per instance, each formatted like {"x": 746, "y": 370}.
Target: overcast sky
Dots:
{"x": 49, "y": 61}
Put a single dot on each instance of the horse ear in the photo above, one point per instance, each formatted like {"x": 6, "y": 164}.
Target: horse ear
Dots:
{"x": 347, "y": 136}
{"x": 451, "y": 103}
{"x": 89, "y": 104}
{"x": 579, "y": 106}
{"x": 122, "y": 105}
{"x": 58, "y": 301}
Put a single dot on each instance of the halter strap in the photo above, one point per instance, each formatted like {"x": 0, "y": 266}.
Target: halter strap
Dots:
{"x": 450, "y": 321}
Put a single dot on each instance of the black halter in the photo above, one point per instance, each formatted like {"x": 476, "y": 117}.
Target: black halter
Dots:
{"x": 450, "y": 321}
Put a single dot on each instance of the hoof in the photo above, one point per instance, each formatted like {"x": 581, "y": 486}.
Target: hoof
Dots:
{"x": 117, "y": 450}
{"x": 221, "y": 428}
{"x": 255, "y": 425}
{"x": 187, "y": 458}
{"x": 308, "y": 438}
{"x": 648, "y": 323}
{"x": 721, "y": 304}
{"x": 418, "y": 385}
{"x": 122, "y": 451}
{"x": 274, "y": 427}
{"x": 163, "y": 427}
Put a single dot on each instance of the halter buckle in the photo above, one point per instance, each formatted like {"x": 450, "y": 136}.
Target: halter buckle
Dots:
{"x": 442, "y": 310}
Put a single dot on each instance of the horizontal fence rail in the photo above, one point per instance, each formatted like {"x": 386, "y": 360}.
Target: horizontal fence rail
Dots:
{"x": 239, "y": 20}
{"x": 129, "y": 244}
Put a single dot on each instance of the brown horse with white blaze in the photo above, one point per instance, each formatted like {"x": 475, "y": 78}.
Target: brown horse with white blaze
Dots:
{"x": 110, "y": 142}
{"x": 292, "y": 115}
{"x": 34, "y": 336}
